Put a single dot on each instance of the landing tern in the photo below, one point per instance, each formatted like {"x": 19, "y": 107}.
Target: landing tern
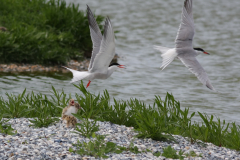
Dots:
{"x": 102, "y": 53}
{"x": 184, "y": 48}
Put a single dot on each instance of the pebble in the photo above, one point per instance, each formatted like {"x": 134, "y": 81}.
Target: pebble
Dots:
{"x": 54, "y": 143}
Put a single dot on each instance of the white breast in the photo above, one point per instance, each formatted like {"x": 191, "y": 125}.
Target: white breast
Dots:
{"x": 71, "y": 110}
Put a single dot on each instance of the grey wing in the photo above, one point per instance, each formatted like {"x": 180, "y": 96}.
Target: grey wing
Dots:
{"x": 96, "y": 35}
{"x": 194, "y": 66}
{"x": 107, "y": 50}
{"x": 186, "y": 29}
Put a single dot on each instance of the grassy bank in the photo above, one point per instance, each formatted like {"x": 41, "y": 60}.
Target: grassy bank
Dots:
{"x": 43, "y": 32}
{"x": 164, "y": 116}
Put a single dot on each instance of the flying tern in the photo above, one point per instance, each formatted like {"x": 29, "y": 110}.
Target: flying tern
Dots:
{"x": 102, "y": 53}
{"x": 184, "y": 49}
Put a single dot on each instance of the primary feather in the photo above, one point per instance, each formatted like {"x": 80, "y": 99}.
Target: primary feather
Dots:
{"x": 96, "y": 35}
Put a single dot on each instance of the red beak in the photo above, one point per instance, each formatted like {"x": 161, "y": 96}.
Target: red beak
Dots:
{"x": 206, "y": 53}
{"x": 121, "y": 66}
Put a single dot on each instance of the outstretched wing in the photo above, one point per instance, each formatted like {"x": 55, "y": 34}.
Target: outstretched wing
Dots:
{"x": 186, "y": 29}
{"x": 96, "y": 35}
{"x": 194, "y": 66}
{"x": 107, "y": 50}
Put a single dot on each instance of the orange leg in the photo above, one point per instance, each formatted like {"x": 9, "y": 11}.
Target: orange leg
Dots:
{"x": 88, "y": 83}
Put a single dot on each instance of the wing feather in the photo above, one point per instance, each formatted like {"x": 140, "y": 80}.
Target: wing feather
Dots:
{"x": 186, "y": 29}
{"x": 107, "y": 50}
{"x": 96, "y": 35}
{"x": 194, "y": 66}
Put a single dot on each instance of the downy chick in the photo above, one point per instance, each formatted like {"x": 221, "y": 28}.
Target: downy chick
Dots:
{"x": 67, "y": 116}
{"x": 70, "y": 121}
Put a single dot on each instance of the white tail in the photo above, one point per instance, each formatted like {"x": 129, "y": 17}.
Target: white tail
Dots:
{"x": 168, "y": 55}
{"x": 161, "y": 49}
{"x": 77, "y": 75}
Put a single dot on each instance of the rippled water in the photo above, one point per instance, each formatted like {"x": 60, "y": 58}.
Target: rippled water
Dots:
{"x": 142, "y": 24}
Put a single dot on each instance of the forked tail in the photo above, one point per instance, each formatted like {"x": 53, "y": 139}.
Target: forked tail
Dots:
{"x": 168, "y": 55}
{"x": 77, "y": 75}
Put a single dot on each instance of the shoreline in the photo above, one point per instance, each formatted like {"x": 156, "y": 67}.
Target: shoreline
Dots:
{"x": 73, "y": 64}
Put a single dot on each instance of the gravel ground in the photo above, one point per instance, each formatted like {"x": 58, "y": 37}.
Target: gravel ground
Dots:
{"x": 54, "y": 142}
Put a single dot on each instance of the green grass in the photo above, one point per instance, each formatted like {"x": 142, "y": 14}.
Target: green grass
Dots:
{"x": 43, "y": 32}
{"x": 191, "y": 154}
{"x": 96, "y": 147}
{"x": 158, "y": 121}
{"x": 6, "y": 128}
{"x": 170, "y": 152}
{"x": 86, "y": 128}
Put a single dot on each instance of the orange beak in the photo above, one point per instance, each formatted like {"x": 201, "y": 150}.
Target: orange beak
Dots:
{"x": 121, "y": 66}
{"x": 206, "y": 53}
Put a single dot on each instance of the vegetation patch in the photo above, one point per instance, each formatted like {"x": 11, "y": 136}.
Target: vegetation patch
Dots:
{"x": 158, "y": 121}
{"x": 43, "y": 32}
{"x": 86, "y": 128}
{"x": 43, "y": 122}
{"x": 96, "y": 147}
{"x": 170, "y": 152}
{"x": 6, "y": 128}
{"x": 192, "y": 154}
